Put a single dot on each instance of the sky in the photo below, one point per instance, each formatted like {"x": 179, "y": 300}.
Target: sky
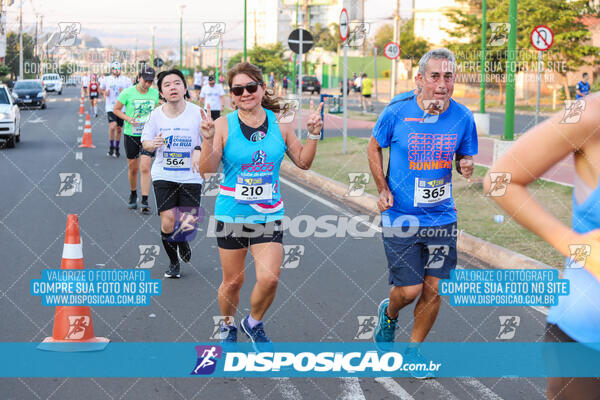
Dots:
{"x": 120, "y": 23}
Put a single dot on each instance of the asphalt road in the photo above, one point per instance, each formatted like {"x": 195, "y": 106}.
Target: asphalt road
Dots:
{"x": 337, "y": 280}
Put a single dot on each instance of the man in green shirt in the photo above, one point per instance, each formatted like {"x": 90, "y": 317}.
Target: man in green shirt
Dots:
{"x": 139, "y": 101}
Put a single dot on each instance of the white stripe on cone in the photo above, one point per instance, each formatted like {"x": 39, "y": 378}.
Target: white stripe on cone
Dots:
{"x": 72, "y": 251}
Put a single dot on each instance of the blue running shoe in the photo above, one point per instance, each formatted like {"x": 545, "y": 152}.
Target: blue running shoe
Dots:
{"x": 260, "y": 340}
{"x": 386, "y": 328}
{"x": 413, "y": 356}
{"x": 228, "y": 336}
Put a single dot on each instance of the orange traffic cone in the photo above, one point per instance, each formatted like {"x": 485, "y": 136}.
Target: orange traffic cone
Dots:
{"x": 81, "y": 108}
{"x": 87, "y": 133}
{"x": 73, "y": 327}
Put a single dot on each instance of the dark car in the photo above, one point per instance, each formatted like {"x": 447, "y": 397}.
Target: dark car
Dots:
{"x": 311, "y": 84}
{"x": 29, "y": 93}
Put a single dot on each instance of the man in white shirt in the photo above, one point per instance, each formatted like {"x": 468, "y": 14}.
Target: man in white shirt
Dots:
{"x": 85, "y": 81}
{"x": 358, "y": 84}
{"x": 213, "y": 95}
{"x": 198, "y": 80}
{"x": 111, "y": 87}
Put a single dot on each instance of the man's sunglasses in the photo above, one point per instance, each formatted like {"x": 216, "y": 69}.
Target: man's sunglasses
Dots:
{"x": 251, "y": 87}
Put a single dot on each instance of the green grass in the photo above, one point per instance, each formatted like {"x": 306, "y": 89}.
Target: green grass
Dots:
{"x": 475, "y": 211}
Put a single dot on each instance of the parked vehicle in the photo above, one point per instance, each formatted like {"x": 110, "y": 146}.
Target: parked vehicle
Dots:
{"x": 311, "y": 84}
{"x": 29, "y": 93}
{"x": 10, "y": 118}
{"x": 52, "y": 83}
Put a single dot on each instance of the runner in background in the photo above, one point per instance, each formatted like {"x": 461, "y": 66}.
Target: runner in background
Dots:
{"x": 111, "y": 87}
{"x": 173, "y": 131}
{"x": 251, "y": 145}
{"x": 213, "y": 95}
{"x": 357, "y": 82}
{"x": 198, "y": 81}
{"x": 139, "y": 101}
{"x": 93, "y": 87}
{"x": 85, "y": 81}
{"x": 576, "y": 318}
{"x": 284, "y": 84}
{"x": 583, "y": 86}
{"x": 367, "y": 87}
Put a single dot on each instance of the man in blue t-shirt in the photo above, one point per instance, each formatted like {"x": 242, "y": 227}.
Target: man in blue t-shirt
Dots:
{"x": 583, "y": 86}
{"x": 425, "y": 133}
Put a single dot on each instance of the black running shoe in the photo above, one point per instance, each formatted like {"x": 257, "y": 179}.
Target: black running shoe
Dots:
{"x": 111, "y": 151}
{"x": 117, "y": 154}
{"x": 184, "y": 251}
{"x": 173, "y": 272}
{"x": 132, "y": 202}
{"x": 145, "y": 207}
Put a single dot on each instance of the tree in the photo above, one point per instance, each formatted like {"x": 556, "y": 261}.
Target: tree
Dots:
{"x": 412, "y": 47}
{"x": 269, "y": 58}
{"x": 383, "y": 36}
{"x": 571, "y": 36}
{"x": 326, "y": 37}
{"x": 12, "y": 55}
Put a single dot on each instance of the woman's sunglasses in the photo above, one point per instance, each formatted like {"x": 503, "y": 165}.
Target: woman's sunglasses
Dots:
{"x": 251, "y": 87}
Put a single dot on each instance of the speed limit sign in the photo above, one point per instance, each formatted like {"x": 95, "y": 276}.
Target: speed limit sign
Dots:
{"x": 391, "y": 50}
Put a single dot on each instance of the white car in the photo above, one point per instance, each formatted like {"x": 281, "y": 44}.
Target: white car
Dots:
{"x": 52, "y": 83}
{"x": 10, "y": 118}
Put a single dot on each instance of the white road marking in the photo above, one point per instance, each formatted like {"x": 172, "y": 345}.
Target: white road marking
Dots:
{"x": 327, "y": 203}
{"x": 287, "y": 389}
{"x": 351, "y": 389}
{"x": 394, "y": 388}
{"x": 79, "y": 155}
{"x": 247, "y": 392}
{"x": 436, "y": 386}
{"x": 485, "y": 393}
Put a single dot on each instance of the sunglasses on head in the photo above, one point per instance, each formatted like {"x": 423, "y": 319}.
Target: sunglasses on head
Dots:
{"x": 251, "y": 87}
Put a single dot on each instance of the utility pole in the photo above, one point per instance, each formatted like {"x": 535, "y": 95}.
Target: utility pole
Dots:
{"x": 294, "y": 66}
{"x": 509, "y": 118}
{"x": 152, "y": 50}
{"x": 362, "y": 20}
{"x": 306, "y": 15}
{"x": 245, "y": 29}
{"x": 396, "y": 60}
{"x": 181, "y": 7}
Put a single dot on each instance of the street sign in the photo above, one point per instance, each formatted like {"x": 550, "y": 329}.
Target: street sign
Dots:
{"x": 542, "y": 37}
{"x": 344, "y": 27}
{"x": 158, "y": 62}
{"x": 391, "y": 50}
{"x": 294, "y": 41}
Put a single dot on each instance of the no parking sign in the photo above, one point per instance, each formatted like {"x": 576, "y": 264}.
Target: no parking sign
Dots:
{"x": 542, "y": 37}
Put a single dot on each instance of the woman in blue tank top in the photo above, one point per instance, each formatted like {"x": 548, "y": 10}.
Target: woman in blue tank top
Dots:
{"x": 251, "y": 143}
{"x": 577, "y": 315}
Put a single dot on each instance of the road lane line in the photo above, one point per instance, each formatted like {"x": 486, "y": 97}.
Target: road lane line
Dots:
{"x": 247, "y": 392}
{"x": 327, "y": 203}
{"x": 485, "y": 392}
{"x": 394, "y": 388}
{"x": 351, "y": 389}
{"x": 436, "y": 386}
{"x": 287, "y": 389}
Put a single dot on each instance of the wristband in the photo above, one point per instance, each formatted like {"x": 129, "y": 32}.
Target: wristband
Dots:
{"x": 313, "y": 137}
{"x": 197, "y": 148}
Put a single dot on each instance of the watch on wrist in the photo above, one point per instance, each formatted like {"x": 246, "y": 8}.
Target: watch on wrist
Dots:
{"x": 197, "y": 148}
{"x": 313, "y": 137}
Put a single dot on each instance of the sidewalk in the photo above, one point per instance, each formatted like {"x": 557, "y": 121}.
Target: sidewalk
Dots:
{"x": 562, "y": 173}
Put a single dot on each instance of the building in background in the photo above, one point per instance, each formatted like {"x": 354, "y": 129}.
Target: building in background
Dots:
{"x": 271, "y": 21}
{"x": 431, "y": 21}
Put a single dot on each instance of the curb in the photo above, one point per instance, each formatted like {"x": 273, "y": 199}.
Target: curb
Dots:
{"x": 492, "y": 254}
